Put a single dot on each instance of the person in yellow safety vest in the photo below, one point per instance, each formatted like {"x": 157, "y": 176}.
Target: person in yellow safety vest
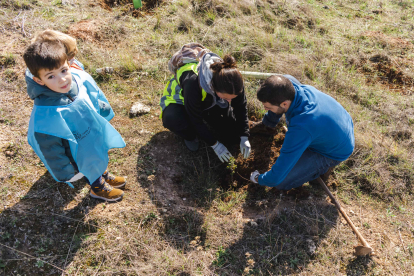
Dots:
{"x": 211, "y": 91}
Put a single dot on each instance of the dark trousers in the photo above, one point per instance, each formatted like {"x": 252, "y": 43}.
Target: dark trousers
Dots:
{"x": 96, "y": 185}
{"x": 221, "y": 120}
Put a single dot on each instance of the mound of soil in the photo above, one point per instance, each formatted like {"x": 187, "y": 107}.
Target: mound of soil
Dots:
{"x": 386, "y": 40}
{"x": 98, "y": 31}
{"x": 85, "y": 30}
{"x": 128, "y": 7}
{"x": 383, "y": 69}
{"x": 393, "y": 72}
{"x": 265, "y": 151}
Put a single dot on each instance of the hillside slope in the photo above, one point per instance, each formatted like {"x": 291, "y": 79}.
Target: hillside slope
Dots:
{"x": 182, "y": 215}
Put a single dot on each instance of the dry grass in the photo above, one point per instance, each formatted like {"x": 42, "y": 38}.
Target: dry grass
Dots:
{"x": 216, "y": 230}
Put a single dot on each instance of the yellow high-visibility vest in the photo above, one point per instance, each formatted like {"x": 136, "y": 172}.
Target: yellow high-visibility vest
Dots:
{"x": 173, "y": 93}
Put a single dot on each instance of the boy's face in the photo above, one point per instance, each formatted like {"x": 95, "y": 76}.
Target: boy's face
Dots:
{"x": 58, "y": 80}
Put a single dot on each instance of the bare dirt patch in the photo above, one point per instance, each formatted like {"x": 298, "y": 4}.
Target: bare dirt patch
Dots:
{"x": 261, "y": 202}
{"x": 128, "y": 7}
{"x": 86, "y": 30}
{"x": 392, "y": 72}
{"x": 386, "y": 40}
{"x": 98, "y": 32}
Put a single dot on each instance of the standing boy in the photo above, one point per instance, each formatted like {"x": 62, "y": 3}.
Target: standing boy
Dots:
{"x": 69, "y": 128}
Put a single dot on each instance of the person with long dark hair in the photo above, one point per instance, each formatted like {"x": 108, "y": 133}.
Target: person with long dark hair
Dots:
{"x": 207, "y": 93}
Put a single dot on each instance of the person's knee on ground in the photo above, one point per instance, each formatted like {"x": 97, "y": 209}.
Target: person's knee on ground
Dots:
{"x": 175, "y": 119}
{"x": 309, "y": 166}
{"x": 324, "y": 176}
{"x": 224, "y": 125}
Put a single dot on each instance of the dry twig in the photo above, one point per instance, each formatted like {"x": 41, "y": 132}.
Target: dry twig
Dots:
{"x": 32, "y": 257}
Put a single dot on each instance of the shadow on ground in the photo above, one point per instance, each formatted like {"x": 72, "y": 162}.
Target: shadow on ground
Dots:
{"x": 360, "y": 266}
{"x": 49, "y": 224}
{"x": 280, "y": 232}
{"x": 284, "y": 243}
{"x": 180, "y": 183}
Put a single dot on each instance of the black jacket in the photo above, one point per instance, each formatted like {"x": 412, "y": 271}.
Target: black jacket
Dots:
{"x": 196, "y": 108}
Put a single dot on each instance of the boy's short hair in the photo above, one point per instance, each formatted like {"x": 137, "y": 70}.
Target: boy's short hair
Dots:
{"x": 51, "y": 35}
{"x": 275, "y": 90}
{"x": 44, "y": 55}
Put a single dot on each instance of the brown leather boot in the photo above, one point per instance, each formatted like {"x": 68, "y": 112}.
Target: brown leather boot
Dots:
{"x": 114, "y": 181}
{"x": 107, "y": 193}
{"x": 324, "y": 177}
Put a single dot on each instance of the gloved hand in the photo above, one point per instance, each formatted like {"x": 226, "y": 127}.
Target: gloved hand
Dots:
{"x": 222, "y": 152}
{"x": 245, "y": 147}
{"x": 254, "y": 176}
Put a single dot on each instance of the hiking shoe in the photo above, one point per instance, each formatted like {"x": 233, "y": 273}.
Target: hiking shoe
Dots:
{"x": 114, "y": 181}
{"x": 107, "y": 193}
{"x": 260, "y": 128}
{"x": 324, "y": 177}
{"x": 192, "y": 145}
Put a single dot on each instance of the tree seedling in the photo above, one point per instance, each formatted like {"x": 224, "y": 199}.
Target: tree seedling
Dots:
{"x": 232, "y": 167}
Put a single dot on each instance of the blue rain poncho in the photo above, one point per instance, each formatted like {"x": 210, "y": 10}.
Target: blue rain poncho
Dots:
{"x": 89, "y": 134}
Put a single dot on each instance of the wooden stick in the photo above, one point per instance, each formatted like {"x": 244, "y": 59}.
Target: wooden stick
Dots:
{"x": 257, "y": 75}
{"x": 360, "y": 237}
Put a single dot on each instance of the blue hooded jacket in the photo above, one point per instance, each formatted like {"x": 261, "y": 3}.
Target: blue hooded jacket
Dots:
{"x": 57, "y": 150}
{"x": 316, "y": 122}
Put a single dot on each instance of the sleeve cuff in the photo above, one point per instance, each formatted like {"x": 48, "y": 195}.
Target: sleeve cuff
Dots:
{"x": 268, "y": 123}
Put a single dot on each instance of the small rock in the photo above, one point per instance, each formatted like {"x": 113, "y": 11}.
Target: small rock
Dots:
{"x": 105, "y": 70}
{"x": 9, "y": 153}
{"x": 164, "y": 210}
{"x": 253, "y": 223}
{"x": 352, "y": 212}
{"x": 138, "y": 109}
{"x": 311, "y": 246}
{"x": 184, "y": 198}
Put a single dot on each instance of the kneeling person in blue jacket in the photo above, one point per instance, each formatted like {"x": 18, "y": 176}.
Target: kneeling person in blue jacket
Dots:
{"x": 320, "y": 132}
{"x": 69, "y": 128}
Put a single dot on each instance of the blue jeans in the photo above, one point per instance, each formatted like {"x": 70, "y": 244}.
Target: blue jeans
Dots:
{"x": 309, "y": 167}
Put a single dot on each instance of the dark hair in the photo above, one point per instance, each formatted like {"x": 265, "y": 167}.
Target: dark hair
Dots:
{"x": 275, "y": 90}
{"x": 226, "y": 78}
{"x": 44, "y": 55}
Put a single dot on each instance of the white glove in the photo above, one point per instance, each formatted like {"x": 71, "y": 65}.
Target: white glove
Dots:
{"x": 254, "y": 176}
{"x": 76, "y": 177}
{"x": 245, "y": 147}
{"x": 221, "y": 151}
